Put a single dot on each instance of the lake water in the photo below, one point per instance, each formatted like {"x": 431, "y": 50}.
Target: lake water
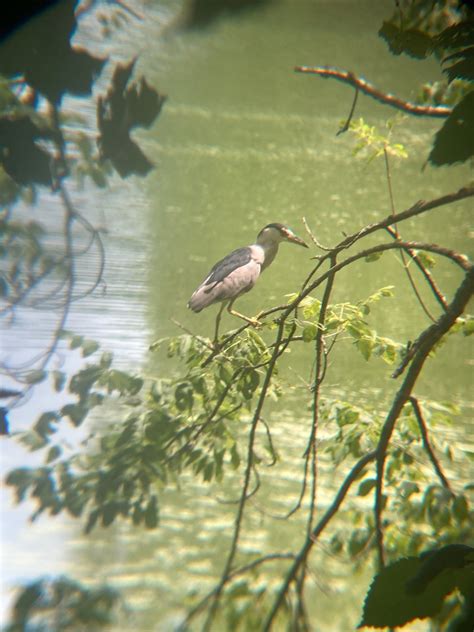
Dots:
{"x": 242, "y": 141}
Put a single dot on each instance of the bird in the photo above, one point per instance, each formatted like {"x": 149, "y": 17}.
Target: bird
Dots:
{"x": 237, "y": 273}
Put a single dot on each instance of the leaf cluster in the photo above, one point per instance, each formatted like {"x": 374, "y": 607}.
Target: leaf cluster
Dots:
{"x": 374, "y": 144}
{"x": 25, "y": 258}
{"x": 190, "y": 422}
{"x": 63, "y": 604}
{"x": 420, "y": 513}
{"x": 420, "y": 29}
{"x": 350, "y": 320}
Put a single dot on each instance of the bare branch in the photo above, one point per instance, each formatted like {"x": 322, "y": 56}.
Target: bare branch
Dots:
{"x": 439, "y": 111}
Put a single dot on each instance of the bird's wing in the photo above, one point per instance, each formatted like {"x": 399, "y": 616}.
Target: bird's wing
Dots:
{"x": 227, "y": 265}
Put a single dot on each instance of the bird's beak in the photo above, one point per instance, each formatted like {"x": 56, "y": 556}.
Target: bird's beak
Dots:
{"x": 296, "y": 240}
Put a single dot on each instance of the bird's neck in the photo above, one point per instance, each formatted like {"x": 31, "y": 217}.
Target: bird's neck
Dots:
{"x": 269, "y": 251}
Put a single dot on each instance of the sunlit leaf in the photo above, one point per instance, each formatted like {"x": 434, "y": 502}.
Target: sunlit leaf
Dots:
{"x": 310, "y": 332}
{"x": 365, "y": 346}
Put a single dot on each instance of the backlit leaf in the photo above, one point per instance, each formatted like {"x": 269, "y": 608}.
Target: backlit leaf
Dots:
{"x": 390, "y": 603}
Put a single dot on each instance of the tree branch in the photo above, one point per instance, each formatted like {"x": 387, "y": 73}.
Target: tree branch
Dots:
{"x": 439, "y": 111}
{"x": 426, "y": 443}
{"x": 301, "y": 557}
{"x": 424, "y": 271}
{"x": 426, "y": 341}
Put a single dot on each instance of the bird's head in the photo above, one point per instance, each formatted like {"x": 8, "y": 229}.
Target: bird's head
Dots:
{"x": 275, "y": 233}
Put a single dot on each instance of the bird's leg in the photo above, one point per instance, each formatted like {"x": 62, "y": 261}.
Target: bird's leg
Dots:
{"x": 218, "y": 320}
{"x": 253, "y": 321}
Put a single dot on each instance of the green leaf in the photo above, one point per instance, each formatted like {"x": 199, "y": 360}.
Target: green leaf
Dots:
{"x": 410, "y": 41}
{"x": 251, "y": 381}
{"x": 374, "y": 256}
{"x": 468, "y": 327}
{"x": 394, "y": 600}
{"x": 453, "y": 142}
{"x": 76, "y": 341}
{"x": 59, "y": 378}
{"x": 44, "y": 424}
{"x": 234, "y": 457}
{"x": 53, "y": 453}
{"x": 358, "y": 541}
{"x": 109, "y": 513}
{"x": 460, "y": 508}
{"x": 21, "y": 478}
{"x": 225, "y": 374}
{"x": 75, "y": 412}
{"x": 366, "y": 486}
{"x": 310, "y": 332}
{"x": 91, "y": 522}
{"x": 33, "y": 440}
{"x": 29, "y": 597}
{"x": 151, "y": 514}
{"x": 35, "y": 376}
{"x": 106, "y": 360}
{"x": 184, "y": 396}
{"x": 89, "y": 347}
{"x": 389, "y": 354}
{"x": 122, "y": 382}
{"x": 427, "y": 260}
{"x": 365, "y": 346}
{"x": 438, "y": 563}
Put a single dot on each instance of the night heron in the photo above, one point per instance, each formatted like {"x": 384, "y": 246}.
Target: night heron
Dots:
{"x": 237, "y": 273}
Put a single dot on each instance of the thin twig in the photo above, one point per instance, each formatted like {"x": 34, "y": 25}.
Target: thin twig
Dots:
{"x": 402, "y": 253}
{"x": 301, "y": 557}
{"x": 439, "y": 296}
{"x": 238, "y": 571}
{"x": 346, "y": 125}
{"x": 426, "y": 443}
